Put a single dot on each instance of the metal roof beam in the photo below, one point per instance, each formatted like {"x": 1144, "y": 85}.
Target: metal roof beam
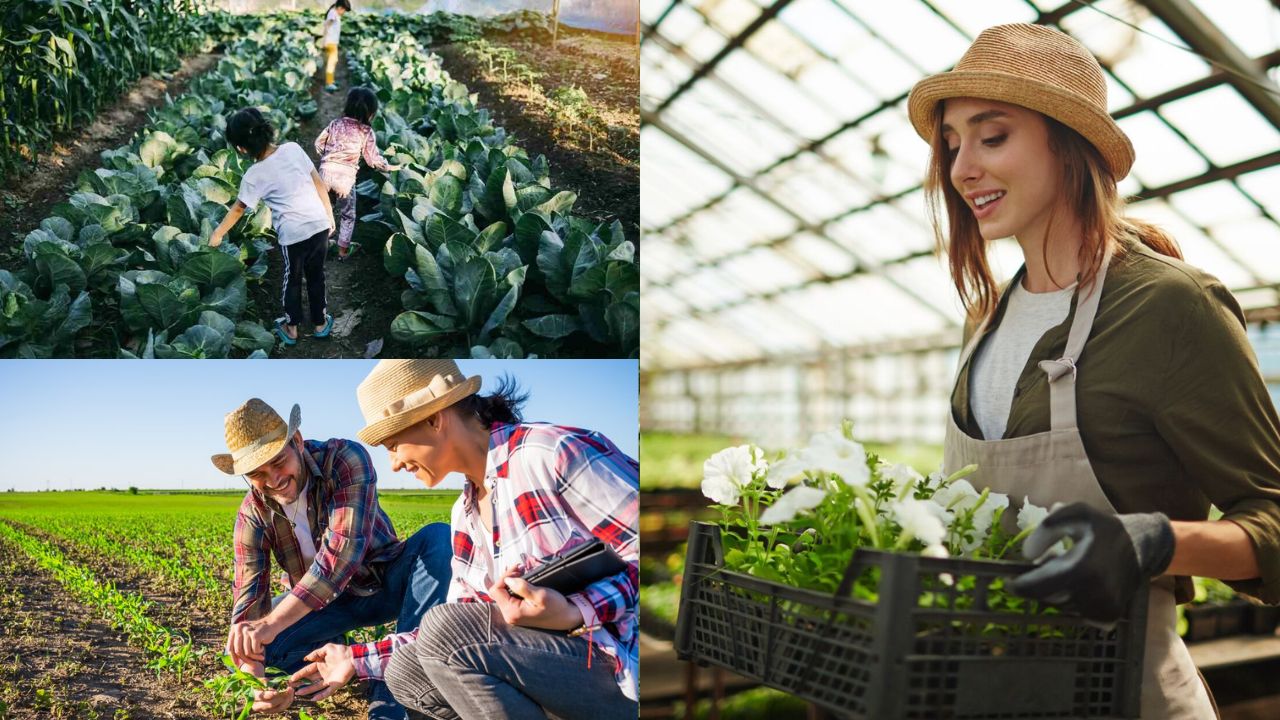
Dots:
{"x": 734, "y": 43}
{"x": 1246, "y": 76}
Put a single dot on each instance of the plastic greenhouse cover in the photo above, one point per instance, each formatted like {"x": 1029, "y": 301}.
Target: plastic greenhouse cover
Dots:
{"x": 611, "y": 16}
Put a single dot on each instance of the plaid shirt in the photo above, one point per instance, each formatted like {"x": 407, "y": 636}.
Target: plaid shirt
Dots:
{"x": 350, "y": 533}
{"x": 552, "y": 488}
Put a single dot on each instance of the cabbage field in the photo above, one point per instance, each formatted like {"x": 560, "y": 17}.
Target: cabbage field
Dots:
{"x": 115, "y": 605}
{"x": 480, "y": 253}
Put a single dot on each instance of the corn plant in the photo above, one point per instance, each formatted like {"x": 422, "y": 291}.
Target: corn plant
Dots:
{"x": 60, "y": 62}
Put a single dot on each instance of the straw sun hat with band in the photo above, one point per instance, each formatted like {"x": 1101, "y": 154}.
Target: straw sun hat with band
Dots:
{"x": 255, "y": 433}
{"x": 399, "y": 393}
{"x": 1035, "y": 67}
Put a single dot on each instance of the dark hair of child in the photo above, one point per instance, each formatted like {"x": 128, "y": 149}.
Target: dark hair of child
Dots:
{"x": 344, "y": 4}
{"x": 361, "y": 104}
{"x": 250, "y": 129}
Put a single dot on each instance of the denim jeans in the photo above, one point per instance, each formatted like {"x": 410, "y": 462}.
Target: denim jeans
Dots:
{"x": 467, "y": 663}
{"x": 412, "y": 583}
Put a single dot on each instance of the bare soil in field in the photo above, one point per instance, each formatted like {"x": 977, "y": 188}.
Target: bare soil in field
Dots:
{"x": 606, "y": 178}
{"x": 362, "y": 298}
{"x": 28, "y": 196}
{"x": 64, "y": 640}
{"x": 62, "y": 660}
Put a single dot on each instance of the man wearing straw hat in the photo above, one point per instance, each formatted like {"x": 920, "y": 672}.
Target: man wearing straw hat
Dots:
{"x": 502, "y": 647}
{"x": 314, "y": 506}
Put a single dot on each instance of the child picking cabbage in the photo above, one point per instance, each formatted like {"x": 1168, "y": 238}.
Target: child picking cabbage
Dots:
{"x": 340, "y": 146}
{"x": 283, "y": 177}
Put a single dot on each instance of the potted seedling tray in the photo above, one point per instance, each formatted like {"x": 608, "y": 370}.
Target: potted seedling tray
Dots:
{"x": 930, "y": 646}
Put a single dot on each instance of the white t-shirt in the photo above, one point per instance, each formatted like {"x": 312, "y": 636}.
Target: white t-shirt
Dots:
{"x": 296, "y": 511}
{"x": 334, "y": 19}
{"x": 999, "y": 362}
{"x": 283, "y": 182}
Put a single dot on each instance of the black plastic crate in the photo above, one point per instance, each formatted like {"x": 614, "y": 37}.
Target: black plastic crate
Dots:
{"x": 953, "y": 657}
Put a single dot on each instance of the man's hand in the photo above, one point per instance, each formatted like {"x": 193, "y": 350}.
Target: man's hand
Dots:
{"x": 1111, "y": 557}
{"x": 272, "y": 701}
{"x": 533, "y": 606}
{"x": 248, "y": 641}
{"x": 215, "y": 238}
{"x": 331, "y": 667}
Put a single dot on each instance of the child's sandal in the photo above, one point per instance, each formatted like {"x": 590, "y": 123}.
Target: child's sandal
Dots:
{"x": 328, "y": 327}
{"x": 283, "y": 336}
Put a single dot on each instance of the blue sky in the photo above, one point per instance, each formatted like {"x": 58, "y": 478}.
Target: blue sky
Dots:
{"x": 154, "y": 424}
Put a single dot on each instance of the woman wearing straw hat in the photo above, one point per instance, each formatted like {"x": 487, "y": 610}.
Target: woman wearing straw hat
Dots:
{"x": 1085, "y": 382}
{"x": 501, "y": 647}
{"x": 314, "y": 507}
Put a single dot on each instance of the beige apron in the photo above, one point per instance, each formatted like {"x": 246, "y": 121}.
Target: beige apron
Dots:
{"x": 1052, "y": 467}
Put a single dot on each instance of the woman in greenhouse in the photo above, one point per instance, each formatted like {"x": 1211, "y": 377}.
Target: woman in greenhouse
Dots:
{"x": 1109, "y": 376}
{"x": 502, "y": 647}
{"x": 332, "y": 31}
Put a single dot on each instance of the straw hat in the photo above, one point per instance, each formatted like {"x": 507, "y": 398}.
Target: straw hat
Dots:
{"x": 255, "y": 434}
{"x": 399, "y": 393}
{"x": 1035, "y": 67}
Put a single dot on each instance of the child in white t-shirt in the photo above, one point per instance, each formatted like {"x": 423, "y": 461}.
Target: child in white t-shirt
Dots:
{"x": 332, "y": 31}
{"x": 284, "y": 178}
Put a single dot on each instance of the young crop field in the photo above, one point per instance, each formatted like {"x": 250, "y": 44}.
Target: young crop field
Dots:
{"x": 473, "y": 249}
{"x": 115, "y": 605}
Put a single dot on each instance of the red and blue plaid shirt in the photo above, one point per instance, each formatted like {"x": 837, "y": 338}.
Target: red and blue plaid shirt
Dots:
{"x": 552, "y": 488}
{"x": 349, "y": 527}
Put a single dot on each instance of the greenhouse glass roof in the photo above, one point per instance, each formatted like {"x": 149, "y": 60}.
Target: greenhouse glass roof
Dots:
{"x": 781, "y": 202}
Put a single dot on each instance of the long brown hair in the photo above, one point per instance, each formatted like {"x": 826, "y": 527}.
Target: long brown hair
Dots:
{"x": 1087, "y": 183}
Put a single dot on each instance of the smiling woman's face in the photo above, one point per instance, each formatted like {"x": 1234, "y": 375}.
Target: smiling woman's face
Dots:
{"x": 1002, "y": 165}
{"x": 424, "y": 450}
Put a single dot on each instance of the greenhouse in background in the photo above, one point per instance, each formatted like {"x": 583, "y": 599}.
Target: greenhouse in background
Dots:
{"x": 791, "y": 279}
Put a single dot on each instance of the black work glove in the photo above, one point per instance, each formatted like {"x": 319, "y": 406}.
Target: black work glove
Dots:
{"x": 1110, "y": 558}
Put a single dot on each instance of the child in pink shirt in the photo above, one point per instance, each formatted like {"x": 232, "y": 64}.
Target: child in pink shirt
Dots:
{"x": 341, "y": 145}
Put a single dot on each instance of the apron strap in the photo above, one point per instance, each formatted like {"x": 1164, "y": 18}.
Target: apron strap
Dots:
{"x": 1062, "y": 372}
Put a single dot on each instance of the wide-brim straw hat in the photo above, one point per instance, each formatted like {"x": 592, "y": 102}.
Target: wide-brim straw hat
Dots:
{"x": 255, "y": 433}
{"x": 1035, "y": 67}
{"x": 399, "y": 393}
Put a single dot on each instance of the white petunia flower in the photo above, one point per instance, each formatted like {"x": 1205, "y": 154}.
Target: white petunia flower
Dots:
{"x": 959, "y": 495}
{"x": 920, "y": 521}
{"x": 936, "y": 551}
{"x": 1031, "y": 515}
{"x": 900, "y": 475}
{"x": 832, "y": 452}
{"x": 782, "y": 472}
{"x": 728, "y": 471}
{"x": 795, "y": 500}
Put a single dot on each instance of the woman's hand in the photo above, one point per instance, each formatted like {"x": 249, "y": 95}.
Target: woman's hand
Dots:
{"x": 331, "y": 667}
{"x": 533, "y": 606}
{"x": 215, "y": 239}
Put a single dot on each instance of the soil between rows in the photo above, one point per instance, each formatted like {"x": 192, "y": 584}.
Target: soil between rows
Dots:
{"x": 63, "y": 648}
{"x": 606, "y": 179}
{"x": 170, "y": 609}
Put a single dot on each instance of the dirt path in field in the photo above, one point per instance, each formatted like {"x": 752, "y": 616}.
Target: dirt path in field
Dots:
{"x": 362, "y": 298}
{"x": 28, "y": 196}
{"x": 61, "y": 660}
{"x": 606, "y": 178}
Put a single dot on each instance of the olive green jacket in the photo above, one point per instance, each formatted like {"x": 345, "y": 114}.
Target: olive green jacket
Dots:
{"x": 1173, "y": 410}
